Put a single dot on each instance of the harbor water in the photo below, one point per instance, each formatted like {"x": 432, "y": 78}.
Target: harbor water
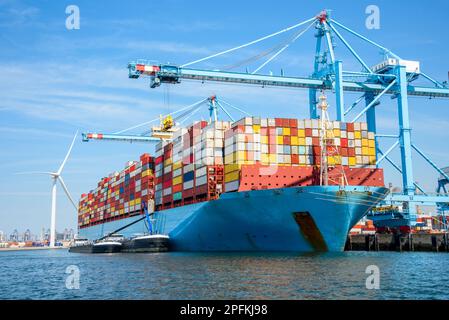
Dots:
{"x": 58, "y": 274}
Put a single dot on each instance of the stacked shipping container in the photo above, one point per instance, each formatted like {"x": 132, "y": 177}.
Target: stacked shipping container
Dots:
{"x": 192, "y": 165}
{"x": 292, "y": 142}
{"x": 205, "y": 160}
{"x": 119, "y": 195}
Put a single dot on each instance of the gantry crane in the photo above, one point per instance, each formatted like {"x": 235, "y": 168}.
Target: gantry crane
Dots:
{"x": 394, "y": 76}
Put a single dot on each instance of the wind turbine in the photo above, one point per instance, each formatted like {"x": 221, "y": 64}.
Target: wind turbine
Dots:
{"x": 56, "y": 176}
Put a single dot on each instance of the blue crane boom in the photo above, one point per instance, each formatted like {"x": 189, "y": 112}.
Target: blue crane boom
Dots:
{"x": 174, "y": 74}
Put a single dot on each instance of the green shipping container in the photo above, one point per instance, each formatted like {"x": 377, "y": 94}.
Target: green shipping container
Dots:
{"x": 177, "y": 196}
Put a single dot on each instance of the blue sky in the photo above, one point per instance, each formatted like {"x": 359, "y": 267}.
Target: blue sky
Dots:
{"x": 55, "y": 81}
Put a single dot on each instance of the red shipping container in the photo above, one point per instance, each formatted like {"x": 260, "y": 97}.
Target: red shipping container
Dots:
{"x": 177, "y": 188}
{"x": 351, "y": 152}
{"x": 308, "y": 132}
{"x": 293, "y": 123}
{"x": 344, "y": 142}
{"x": 315, "y": 141}
{"x": 344, "y": 152}
{"x": 188, "y": 193}
{"x": 287, "y": 140}
{"x": 278, "y": 122}
{"x": 201, "y": 190}
{"x": 167, "y": 184}
{"x": 295, "y": 159}
{"x": 294, "y": 132}
{"x": 188, "y": 159}
{"x": 350, "y": 127}
{"x": 316, "y": 150}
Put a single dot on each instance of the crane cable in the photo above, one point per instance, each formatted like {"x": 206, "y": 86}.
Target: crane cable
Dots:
{"x": 158, "y": 119}
{"x": 279, "y": 48}
{"x": 249, "y": 43}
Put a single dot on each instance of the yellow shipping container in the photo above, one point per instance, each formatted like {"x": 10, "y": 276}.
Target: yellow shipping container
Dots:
{"x": 337, "y": 133}
{"x": 272, "y": 157}
{"x": 264, "y": 158}
{"x": 132, "y": 202}
{"x": 352, "y": 161}
{"x": 371, "y": 143}
{"x": 286, "y": 131}
{"x": 301, "y": 133}
{"x": 365, "y": 143}
{"x": 177, "y": 180}
{"x": 372, "y": 160}
{"x": 229, "y": 159}
{"x": 256, "y": 128}
{"x": 279, "y": 140}
{"x": 231, "y": 167}
{"x": 137, "y": 201}
{"x": 167, "y": 162}
{"x": 301, "y": 141}
{"x": 357, "y": 135}
{"x": 240, "y": 156}
{"x": 294, "y": 141}
{"x": 365, "y": 151}
{"x": 177, "y": 165}
{"x": 372, "y": 152}
{"x": 264, "y": 139}
{"x": 232, "y": 176}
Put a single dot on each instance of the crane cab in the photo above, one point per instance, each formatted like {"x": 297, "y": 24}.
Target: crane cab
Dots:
{"x": 412, "y": 68}
{"x": 166, "y": 128}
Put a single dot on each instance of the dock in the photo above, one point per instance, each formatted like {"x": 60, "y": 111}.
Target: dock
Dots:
{"x": 413, "y": 242}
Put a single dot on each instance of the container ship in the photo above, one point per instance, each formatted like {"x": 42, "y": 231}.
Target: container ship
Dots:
{"x": 257, "y": 184}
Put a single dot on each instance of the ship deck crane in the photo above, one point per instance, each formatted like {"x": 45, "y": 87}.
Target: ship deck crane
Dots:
{"x": 168, "y": 123}
{"x": 393, "y": 76}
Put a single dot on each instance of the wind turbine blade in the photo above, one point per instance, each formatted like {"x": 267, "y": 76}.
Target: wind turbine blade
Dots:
{"x": 68, "y": 154}
{"x": 35, "y": 172}
{"x": 67, "y": 192}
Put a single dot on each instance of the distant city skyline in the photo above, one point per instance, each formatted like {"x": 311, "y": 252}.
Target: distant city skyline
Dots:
{"x": 29, "y": 235}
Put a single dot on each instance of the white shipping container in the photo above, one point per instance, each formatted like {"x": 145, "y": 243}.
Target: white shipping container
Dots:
{"x": 201, "y": 181}
{"x": 264, "y": 123}
{"x": 177, "y": 172}
{"x": 166, "y": 192}
{"x": 188, "y": 185}
{"x": 200, "y": 171}
{"x": 232, "y": 186}
{"x": 189, "y": 167}
{"x": 219, "y": 143}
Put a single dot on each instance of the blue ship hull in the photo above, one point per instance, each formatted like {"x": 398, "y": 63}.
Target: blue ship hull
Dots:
{"x": 302, "y": 219}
